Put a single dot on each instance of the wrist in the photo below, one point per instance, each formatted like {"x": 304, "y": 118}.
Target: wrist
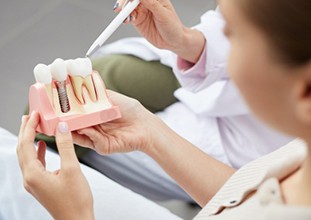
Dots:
{"x": 160, "y": 137}
{"x": 86, "y": 216}
{"x": 85, "y": 213}
{"x": 153, "y": 129}
{"x": 191, "y": 45}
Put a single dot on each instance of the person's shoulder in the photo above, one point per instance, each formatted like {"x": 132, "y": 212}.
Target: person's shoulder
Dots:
{"x": 277, "y": 164}
{"x": 294, "y": 153}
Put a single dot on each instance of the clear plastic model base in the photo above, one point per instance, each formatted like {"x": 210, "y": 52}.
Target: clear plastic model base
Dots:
{"x": 87, "y": 103}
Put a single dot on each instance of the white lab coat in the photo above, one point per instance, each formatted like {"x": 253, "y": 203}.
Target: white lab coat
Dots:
{"x": 214, "y": 115}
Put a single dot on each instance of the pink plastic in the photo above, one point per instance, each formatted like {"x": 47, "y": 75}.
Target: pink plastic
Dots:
{"x": 41, "y": 101}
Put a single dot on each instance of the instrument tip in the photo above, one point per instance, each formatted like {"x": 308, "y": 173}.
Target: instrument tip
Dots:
{"x": 92, "y": 50}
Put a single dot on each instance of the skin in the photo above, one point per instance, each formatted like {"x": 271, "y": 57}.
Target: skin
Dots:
{"x": 264, "y": 81}
{"x": 178, "y": 157}
{"x": 63, "y": 191}
{"x": 158, "y": 22}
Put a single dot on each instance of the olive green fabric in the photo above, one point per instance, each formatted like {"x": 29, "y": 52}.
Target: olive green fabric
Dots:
{"x": 151, "y": 83}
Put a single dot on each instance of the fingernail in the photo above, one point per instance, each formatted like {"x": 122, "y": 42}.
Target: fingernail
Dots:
{"x": 116, "y": 5}
{"x": 23, "y": 118}
{"x": 63, "y": 127}
{"x": 132, "y": 18}
{"x": 127, "y": 20}
{"x": 41, "y": 142}
{"x": 32, "y": 114}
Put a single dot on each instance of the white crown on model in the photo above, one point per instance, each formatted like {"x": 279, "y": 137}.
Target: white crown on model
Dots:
{"x": 79, "y": 70}
{"x": 42, "y": 74}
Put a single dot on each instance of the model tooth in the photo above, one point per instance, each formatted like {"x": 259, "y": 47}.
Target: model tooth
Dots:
{"x": 87, "y": 68}
{"x": 72, "y": 68}
{"x": 42, "y": 74}
{"x": 59, "y": 73}
{"x": 77, "y": 83}
{"x": 86, "y": 71}
{"x": 59, "y": 70}
{"x": 88, "y": 82}
{"x": 80, "y": 71}
{"x": 80, "y": 67}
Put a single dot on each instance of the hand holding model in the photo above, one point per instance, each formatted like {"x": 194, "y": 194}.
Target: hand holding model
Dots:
{"x": 128, "y": 133}
{"x": 65, "y": 193}
{"x": 158, "y": 22}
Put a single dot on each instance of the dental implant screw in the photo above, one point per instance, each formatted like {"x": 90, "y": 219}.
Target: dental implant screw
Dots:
{"x": 63, "y": 97}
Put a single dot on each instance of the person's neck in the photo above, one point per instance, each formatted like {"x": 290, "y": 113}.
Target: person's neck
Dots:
{"x": 296, "y": 188}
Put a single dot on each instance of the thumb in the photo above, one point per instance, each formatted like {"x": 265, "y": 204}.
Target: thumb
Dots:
{"x": 65, "y": 147}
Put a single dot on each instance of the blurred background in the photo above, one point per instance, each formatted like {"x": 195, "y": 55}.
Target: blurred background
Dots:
{"x": 38, "y": 31}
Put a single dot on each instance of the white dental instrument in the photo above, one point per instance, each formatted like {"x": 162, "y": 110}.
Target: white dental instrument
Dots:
{"x": 129, "y": 7}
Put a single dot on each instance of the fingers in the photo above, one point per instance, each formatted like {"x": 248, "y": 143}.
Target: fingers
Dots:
{"x": 65, "y": 146}
{"x": 82, "y": 140}
{"x": 159, "y": 9}
{"x": 26, "y": 148}
{"x": 25, "y": 118}
{"x": 19, "y": 148}
{"x": 95, "y": 137}
{"x": 41, "y": 152}
{"x": 118, "y": 98}
{"x": 118, "y": 5}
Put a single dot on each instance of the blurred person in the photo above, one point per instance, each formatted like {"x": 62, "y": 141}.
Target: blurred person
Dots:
{"x": 275, "y": 186}
{"x": 207, "y": 109}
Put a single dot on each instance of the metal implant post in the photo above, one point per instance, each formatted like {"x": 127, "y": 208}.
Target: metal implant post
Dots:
{"x": 62, "y": 94}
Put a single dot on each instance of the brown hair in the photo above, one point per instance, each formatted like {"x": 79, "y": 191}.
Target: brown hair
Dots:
{"x": 286, "y": 23}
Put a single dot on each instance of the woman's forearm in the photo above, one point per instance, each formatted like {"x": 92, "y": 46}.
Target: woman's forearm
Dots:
{"x": 197, "y": 173}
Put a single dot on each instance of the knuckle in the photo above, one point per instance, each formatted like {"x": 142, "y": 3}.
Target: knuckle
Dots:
{"x": 65, "y": 141}
{"x": 153, "y": 4}
{"x": 29, "y": 180}
{"x": 18, "y": 151}
{"x": 72, "y": 169}
{"x": 66, "y": 144}
{"x": 26, "y": 138}
{"x": 27, "y": 187}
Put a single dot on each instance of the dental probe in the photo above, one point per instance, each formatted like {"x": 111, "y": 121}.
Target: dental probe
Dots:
{"x": 112, "y": 27}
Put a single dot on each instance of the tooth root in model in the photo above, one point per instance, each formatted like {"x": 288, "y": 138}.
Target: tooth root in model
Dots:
{"x": 80, "y": 71}
{"x": 43, "y": 75}
{"x": 88, "y": 82}
{"x": 77, "y": 83}
{"x": 59, "y": 73}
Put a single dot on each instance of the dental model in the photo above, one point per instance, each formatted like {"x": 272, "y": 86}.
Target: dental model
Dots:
{"x": 70, "y": 91}
{"x": 43, "y": 75}
{"x": 59, "y": 73}
{"x": 80, "y": 71}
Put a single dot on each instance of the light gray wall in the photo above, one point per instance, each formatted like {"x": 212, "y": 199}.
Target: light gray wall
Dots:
{"x": 38, "y": 31}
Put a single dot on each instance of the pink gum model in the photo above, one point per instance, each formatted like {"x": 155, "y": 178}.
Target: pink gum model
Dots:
{"x": 44, "y": 99}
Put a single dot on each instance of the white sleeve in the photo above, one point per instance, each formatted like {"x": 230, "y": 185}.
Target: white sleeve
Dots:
{"x": 212, "y": 64}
